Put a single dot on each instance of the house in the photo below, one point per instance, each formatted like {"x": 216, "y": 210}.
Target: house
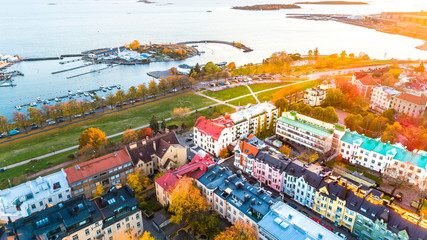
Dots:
{"x": 283, "y": 222}
{"x": 244, "y": 155}
{"x": 365, "y": 83}
{"x": 160, "y": 153}
{"x": 232, "y": 197}
{"x": 317, "y": 95}
{"x": 166, "y": 183}
{"x": 411, "y": 104}
{"x": 108, "y": 170}
{"x": 269, "y": 170}
{"x": 381, "y": 98}
{"x": 33, "y": 196}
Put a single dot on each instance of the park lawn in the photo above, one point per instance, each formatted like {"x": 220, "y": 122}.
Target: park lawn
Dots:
{"x": 243, "y": 101}
{"x": 228, "y": 93}
{"x": 334, "y": 162}
{"x": 267, "y": 95}
{"x": 263, "y": 86}
{"x": 67, "y": 136}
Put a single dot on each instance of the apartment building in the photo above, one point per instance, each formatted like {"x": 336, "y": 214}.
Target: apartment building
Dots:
{"x": 387, "y": 158}
{"x": 382, "y": 97}
{"x": 160, "y": 153}
{"x": 283, "y": 222}
{"x": 33, "y": 196}
{"x": 317, "y": 95}
{"x": 365, "y": 83}
{"x": 269, "y": 170}
{"x": 108, "y": 170}
{"x": 166, "y": 183}
{"x": 245, "y": 152}
{"x": 119, "y": 211}
{"x": 232, "y": 197}
{"x": 309, "y": 132}
{"x": 411, "y": 104}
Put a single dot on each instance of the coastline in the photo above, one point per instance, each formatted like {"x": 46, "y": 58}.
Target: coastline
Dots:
{"x": 422, "y": 47}
{"x": 333, "y": 3}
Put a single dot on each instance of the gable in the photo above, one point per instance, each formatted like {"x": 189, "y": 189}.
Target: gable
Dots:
{"x": 324, "y": 190}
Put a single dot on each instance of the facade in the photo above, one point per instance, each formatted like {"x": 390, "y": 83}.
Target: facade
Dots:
{"x": 161, "y": 153}
{"x": 269, "y": 170}
{"x": 166, "y": 183}
{"x": 283, "y": 222}
{"x": 213, "y": 135}
{"x": 413, "y": 105}
{"x": 232, "y": 197}
{"x": 365, "y": 83}
{"x": 33, "y": 196}
{"x": 387, "y": 158}
{"x": 309, "y": 132}
{"x": 108, "y": 170}
{"x": 244, "y": 154}
{"x": 119, "y": 212}
{"x": 317, "y": 95}
{"x": 381, "y": 98}
{"x": 74, "y": 219}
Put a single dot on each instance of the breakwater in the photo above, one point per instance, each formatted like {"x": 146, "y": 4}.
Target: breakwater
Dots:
{"x": 236, "y": 45}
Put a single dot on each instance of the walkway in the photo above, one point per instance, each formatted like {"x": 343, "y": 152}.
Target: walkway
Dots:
{"x": 216, "y": 100}
{"x": 252, "y": 92}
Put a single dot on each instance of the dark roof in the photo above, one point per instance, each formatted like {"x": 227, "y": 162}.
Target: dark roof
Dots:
{"x": 157, "y": 145}
{"x": 334, "y": 189}
{"x": 271, "y": 161}
{"x": 396, "y": 224}
{"x": 161, "y": 217}
{"x": 313, "y": 179}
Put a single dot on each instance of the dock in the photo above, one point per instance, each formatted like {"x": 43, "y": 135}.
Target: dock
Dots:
{"x": 93, "y": 71}
{"x": 243, "y": 47}
{"x": 70, "y": 69}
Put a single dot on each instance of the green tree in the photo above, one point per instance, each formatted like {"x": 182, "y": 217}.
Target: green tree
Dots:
{"x": 389, "y": 114}
{"x": 142, "y": 91}
{"x": 271, "y": 129}
{"x": 197, "y": 68}
{"x": 391, "y": 133}
{"x": 282, "y": 104}
{"x": 152, "y": 88}
{"x": 330, "y": 115}
{"x": 154, "y": 124}
{"x": 265, "y": 124}
{"x": 163, "y": 124}
{"x": 258, "y": 127}
{"x": 4, "y": 125}
{"x": 353, "y": 121}
{"x": 334, "y": 97}
{"x": 163, "y": 85}
{"x": 132, "y": 93}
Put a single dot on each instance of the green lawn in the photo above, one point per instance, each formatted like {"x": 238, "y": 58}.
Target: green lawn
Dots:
{"x": 263, "y": 86}
{"x": 228, "y": 93}
{"x": 67, "y": 136}
{"x": 267, "y": 95}
{"x": 243, "y": 101}
{"x": 334, "y": 162}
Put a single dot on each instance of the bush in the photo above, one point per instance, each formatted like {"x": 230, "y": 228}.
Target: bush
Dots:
{"x": 172, "y": 127}
{"x": 71, "y": 156}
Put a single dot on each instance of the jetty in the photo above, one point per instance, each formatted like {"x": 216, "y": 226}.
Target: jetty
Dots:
{"x": 60, "y": 57}
{"x": 70, "y": 69}
{"x": 243, "y": 47}
{"x": 93, "y": 71}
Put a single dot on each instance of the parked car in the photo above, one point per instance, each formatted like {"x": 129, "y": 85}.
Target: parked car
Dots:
{"x": 188, "y": 139}
{"x": 340, "y": 234}
{"x": 77, "y": 116}
{"x": 2, "y": 170}
{"x": 34, "y": 126}
{"x": 316, "y": 220}
{"x": 292, "y": 205}
{"x": 51, "y": 122}
{"x": 14, "y": 132}
{"x": 327, "y": 227}
{"x": 2, "y": 135}
{"x": 192, "y": 145}
{"x": 137, "y": 100}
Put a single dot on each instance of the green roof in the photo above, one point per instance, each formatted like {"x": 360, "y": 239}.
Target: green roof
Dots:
{"x": 306, "y": 126}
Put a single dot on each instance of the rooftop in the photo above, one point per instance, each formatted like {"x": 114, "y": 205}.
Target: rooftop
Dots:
{"x": 367, "y": 80}
{"x": 252, "y": 111}
{"x": 209, "y": 127}
{"x": 306, "y": 126}
{"x": 97, "y": 165}
{"x": 420, "y": 99}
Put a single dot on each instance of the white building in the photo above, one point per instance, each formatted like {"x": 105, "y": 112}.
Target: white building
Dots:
{"x": 315, "y": 96}
{"x": 33, "y": 196}
{"x": 381, "y": 98}
{"x": 309, "y": 132}
{"x": 411, "y": 104}
{"x": 244, "y": 155}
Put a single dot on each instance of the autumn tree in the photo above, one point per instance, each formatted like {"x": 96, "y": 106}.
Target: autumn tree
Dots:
{"x": 187, "y": 202}
{"x": 20, "y": 120}
{"x": 98, "y": 191}
{"x": 142, "y": 91}
{"x": 146, "y": 132}
{"x": 271, "y": 129}
{"x": 353, "y": 121}
{"x": 308, "y": 156}
{"x": 137, "y": 181}
{"x": 130, "y": 136}
{"x": 282, "y": 104}
{"x": 152, "y": 88}
{"x": 163, "y": 85}
{"x": 4, "y": 125}
{"x": 231, "y": 65}
{"x": 158, "y": 175}
{"x": 420, "y": 68}
{"x": 110, "y": 100}
{"x": 239, "y": 231}
{"x": 154, "y": 124}
{"x": 334, "y": 97}
{"x": 93, "y": 137}
{"x": 258, "y": 127}
{"x": 224, "y": 153}
{"x": 132, "y": 93}
{"x": 391, "y": 133}
{"x": 35, "y": 115}
{"x": 180, "y": 112}
{"x": 132, "y": 235}
{"x": 285, "y": 150}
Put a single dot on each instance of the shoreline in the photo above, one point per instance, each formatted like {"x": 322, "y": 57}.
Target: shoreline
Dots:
{"x": 332, "y": 3}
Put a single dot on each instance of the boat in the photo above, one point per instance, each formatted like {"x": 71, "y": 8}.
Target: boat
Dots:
{"x": 33, "y": 104}
{"x": 118, "y": 86}
{"x": 46, "y": 101}
{"x": 79, "y": 91}
{"x": 39, "y": 99}
{"x": 102, "y": 87}
{"x": 18, "y": 107}
{"x": 69, "y": 92}
{"x": 109, "y": 88}
{"x": 86, "y": 94}
{"x": 57, "y": 100}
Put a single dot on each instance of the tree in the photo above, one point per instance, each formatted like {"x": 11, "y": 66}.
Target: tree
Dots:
{"x": 4, "y": 125}
{"x": 98, "y": 191}
{"x": 258, "y": 127}
{"x": 137, "y": 181}
{"x": 35, "y": 115}
{"x": 353, "y": 121}
{"x": 420, "y": 68}
{"x": 308, "y": 156}
{"x": 264, "y": 126}
{"x": 120, "y": 96}
{"x": 391, "y": 133}
{"x": 388, "y": 80}
{"x": 316, "y": 52}
{"x": 334, "y": 97}
{"x": 224, "y": 153}
{"x": 330, "y": 115}
{"x": 158, "y": 175}
{"x": 20, "y": 120}
{"x": 271, "y": 129}
{"x": 154, "y": 124}
{"x": 239, "y": 231}
{"x": 110, "y": 100}
{"x": 285, "y": 150}
{"x": 93, "y": 137}
{"x": 132, "y": 93}
{"x": 142, "y": 91}
{"x": 163, "y": 85}
{"x": 231, "y": 65}
{"x": 180, "y": 112}
{"x": 197, "y": 68}
{"x": 390, "y": 114}
{"x": 130, "y": 136}
{"x": 146, "y": 132}
{"x": 187, "y": 202}
{"x": 152, "y": 88}
{"x": 163, "y": 124}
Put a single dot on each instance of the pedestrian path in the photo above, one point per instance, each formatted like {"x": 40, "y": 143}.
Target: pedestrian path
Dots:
{"x": 252, "y": 92}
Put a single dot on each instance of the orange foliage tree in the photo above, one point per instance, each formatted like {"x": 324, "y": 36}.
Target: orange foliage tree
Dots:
{"x": 130, "y": 136}
{"x": 187, "y": 201}
{"x": 134, "y": 45}
{"x": 146, "y": 132}
{"x": 92, "y": 137}
{"x": 239, "y": 231}
{"x": 224, "y": 153}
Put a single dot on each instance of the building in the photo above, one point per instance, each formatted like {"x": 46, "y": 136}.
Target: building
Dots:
{"x": 232, "y": 197}
{"x": 76, "y": 218}
{"x": 365, "y": 83}
{"x": 387, "y": 158}
{"x": 119, "y": 211}
{"x": 410, "y": 104}
{"x": 381, "y": 98}
{"x": 269, "y": 170}
{"x": 160, "y": 153}
{"x": 245, "y": 152}
{"x": 309, "y": 132}
{"x": 317, "y": 95}
{"x": 108, "y": 170}
{"x": 33, "y": 196}
{"x": 166, "y": 183}
{"x": 283, "y": 222}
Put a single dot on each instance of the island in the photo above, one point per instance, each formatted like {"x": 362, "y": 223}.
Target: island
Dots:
{"x": 334, "y": 3}
{"x": 268, "y": 7}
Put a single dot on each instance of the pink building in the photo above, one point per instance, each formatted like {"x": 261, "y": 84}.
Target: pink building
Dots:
{"x": 365, "y": 83}
{"x": 269, "y": 170}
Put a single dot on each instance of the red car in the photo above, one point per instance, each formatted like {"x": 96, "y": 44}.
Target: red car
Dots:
{"x": 316, "y": 220}
{"x": 327, "y": 227}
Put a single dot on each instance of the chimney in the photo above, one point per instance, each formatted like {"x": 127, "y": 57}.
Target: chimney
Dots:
{"x": 115, "y": 154}
{"x": 154, "y": 146}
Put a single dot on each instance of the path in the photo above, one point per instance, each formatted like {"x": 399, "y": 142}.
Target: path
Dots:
{"x": 252, "y": 92}
{"x": 216, "y": 100}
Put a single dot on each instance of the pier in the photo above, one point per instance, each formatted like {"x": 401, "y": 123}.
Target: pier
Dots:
{"x": 70, "y": 69}
{"x": 93, "y": 71}
{"x": 243, "y": 47}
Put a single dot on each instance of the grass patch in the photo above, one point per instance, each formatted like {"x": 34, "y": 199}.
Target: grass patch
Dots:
{"x": 263, "y": 86}
{"x": 334, "y": 162}
{"x": 267, "y": 95}
{"x": 228, "y": 93}
{"x": 67, "y": 136}
{"x": 243, "y": 101}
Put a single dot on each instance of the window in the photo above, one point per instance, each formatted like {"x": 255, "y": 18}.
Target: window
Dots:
{"x": 87, "y": 232}
{"x": 138, "y": 224}
{"x": 98, "y": 232}
{"x": 41, "y": 203}
{"x": 49, "y": 200}
{"x": 75, "y": 237}
{"x": 118, "y": 226}
{"x": 60, "y": 196}
{"x": 33, "y": 206}
{"x": 109, "y": 231}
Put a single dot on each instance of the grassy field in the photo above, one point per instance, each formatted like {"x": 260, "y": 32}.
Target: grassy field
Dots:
{"x": 243, "y": 101}
{"x": 267, "y": 95}
{"x": 263, "y": 86}
{"x": 228, "y": 93}
{"x": 67, "y": 136}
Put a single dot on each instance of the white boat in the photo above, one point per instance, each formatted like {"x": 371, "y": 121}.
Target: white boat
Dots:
{"x": 118, "y": 86}
{"x": 102, "y": 87}
{"x": 69, "y": 92}
{"x": 33, "y": 104}
{"x": 57, "y": 100}
{"x": 109, "y": 88}
{"x": 86, "y": 94}
{"x": 18, "y": 107}
{"x": 79, "y": 91}
{"x": 46, "y": 101}
{"x": 39, "y": 99}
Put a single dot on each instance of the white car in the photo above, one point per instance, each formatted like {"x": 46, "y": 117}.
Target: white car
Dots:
{"x": 340, "y": 234}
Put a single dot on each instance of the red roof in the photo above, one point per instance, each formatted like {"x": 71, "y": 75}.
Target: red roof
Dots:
{"x": 196, "y": 168}
{"x": 248, "y": 149}
{"x": 419, "y": 100}
{"x": 214, "y": 127}
{"x": 97, "y": 165}
{"x": 368, "y": 80}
